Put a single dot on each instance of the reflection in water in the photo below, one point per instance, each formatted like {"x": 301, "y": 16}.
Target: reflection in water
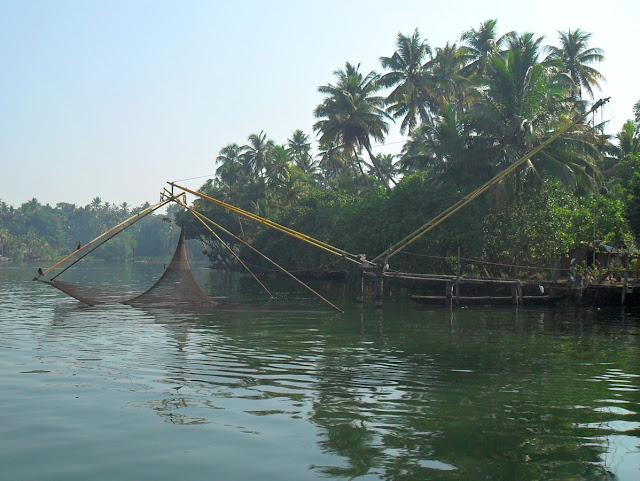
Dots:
{"x": 399, "y": 393}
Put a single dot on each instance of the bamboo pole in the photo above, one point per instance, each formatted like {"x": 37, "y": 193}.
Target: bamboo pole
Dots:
{"x": 286, "y": 230}
{"x": 280, "y": 268}
{"x": 132, "y": 220}
{"x": 197, "y": 216}
{"x": 440, "y": 218}
{"x": 142, "y": 213}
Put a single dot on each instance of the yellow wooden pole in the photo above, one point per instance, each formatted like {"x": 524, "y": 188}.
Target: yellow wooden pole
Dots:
{"x": 440, "y": 218}
{"x": 85, "y": 246}
{"x": 286, "y": 230}
{"x": 197, "y": 215}
{"x": 282, "y": 269}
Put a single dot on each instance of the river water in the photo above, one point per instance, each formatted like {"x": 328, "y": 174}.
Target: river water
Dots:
{"x": 293, "y": 391}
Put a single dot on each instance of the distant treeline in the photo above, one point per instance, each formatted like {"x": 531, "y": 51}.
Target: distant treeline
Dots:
{"x": 34, "y": 231}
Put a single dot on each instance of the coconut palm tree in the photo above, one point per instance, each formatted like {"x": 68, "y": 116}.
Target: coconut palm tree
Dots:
{"x": 523, "y": 104}
{"x": 481, "y": 44}
{"x": 443, "y": 147}
{"x": 231, "y": 170}
{"x": 389, "y": 167}
{"x": 351, "y": 113}
{"x": 257, "y": 151}
{"x": 300, "y": 149}
{"x": 299, "y": 144}
{"x": 411, "y": 95}
{"x": 278, "y": 166}
{"x": 331, "y": 161}
{"x": 576, "y": 56}
{"x": 447, "y": 74}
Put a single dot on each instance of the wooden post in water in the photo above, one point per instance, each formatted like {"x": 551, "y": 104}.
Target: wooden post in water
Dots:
{"x": 519, "y": 284}
{"x": 626, "y": 278}
{"x": 458, "y": 279}
{"x": 447, "y": 292}
{"x": 514, "y": 293}
{"x": 360, "y": 288}
{"x": 379, "y": 286}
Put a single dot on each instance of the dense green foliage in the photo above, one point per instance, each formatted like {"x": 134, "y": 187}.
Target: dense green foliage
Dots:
{"x": 470, "y": 109}
{"x": 34, "y": 231}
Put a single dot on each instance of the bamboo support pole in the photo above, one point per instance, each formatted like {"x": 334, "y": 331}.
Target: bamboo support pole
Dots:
{"x": 197, "y": 216}
{"x": 440, "y": 218}
{"x": 114, "y": 231}
{"x": 458, "y": 269}
{"x": 280, "y": 268}
{"x": 142, "y": 213}
{"x": 626, "y": 279}
{"x": 286, "y": 230}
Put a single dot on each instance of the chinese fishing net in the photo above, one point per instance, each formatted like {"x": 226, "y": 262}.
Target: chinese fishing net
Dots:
{"x": 176, "y": 288}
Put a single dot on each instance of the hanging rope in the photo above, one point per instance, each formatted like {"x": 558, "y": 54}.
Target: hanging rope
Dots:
{"x": 198, "y": 216}
{"x": 204, "y": 218}
{"x": 286, "y": 230}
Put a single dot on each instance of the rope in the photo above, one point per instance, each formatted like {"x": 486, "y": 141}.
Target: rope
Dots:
{"x": 478, "y": 261}
{"x": 198, "y": 216}
{"x": 286, "y": 230}
{"x": 202, "y": 217}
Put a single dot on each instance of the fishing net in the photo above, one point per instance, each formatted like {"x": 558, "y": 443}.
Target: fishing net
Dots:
{"x": 176, "y": 288}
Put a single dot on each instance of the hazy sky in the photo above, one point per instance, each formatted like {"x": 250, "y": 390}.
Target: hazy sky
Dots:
{"x": 112, "y": 99}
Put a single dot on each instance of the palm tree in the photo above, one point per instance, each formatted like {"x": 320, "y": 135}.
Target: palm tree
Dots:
{"x": 443, "y": 147}
{"x": 300, "y": 148}
{"x": 96, "y": 203}
{"x": 257, "y": 151}
{"x": 576, "y": 56}
{"x": 388, "y": 166}
{"x": 523, "y": 104}
{"x": 299, "y": 144}
{"x": 351, "y": 114}
{"x": 481, "y": 44}
{"x": 331, "y": 161}
{"x": 278, "y": 167}
{"x": 447, "y": 75}
{"x": 629, "y": 138}
{"x": 231, "y": 169}
{"x": 410, "y": 96}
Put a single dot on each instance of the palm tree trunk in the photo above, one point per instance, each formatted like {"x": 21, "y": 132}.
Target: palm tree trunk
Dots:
{"x": 381, "y": 176}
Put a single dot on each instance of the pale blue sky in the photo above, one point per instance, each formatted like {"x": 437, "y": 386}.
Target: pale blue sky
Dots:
{"x": 114, "y": 98}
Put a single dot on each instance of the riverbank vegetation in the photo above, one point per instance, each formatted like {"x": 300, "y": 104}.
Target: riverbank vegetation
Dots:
{"x": 468, "y": 110}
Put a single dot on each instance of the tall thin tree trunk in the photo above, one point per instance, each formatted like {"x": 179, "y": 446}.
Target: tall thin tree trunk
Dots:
{"x": 381, "y": 176}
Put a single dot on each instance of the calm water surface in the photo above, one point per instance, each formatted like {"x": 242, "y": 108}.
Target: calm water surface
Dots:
{"x": 292, "y": 391}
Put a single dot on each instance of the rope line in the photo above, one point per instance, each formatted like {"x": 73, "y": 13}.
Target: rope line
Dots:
{"x": 286, "y": 230}
{"x": 478, "y": 261}
{"x": 202, "y": 217}
{"x": 198, "y": 216}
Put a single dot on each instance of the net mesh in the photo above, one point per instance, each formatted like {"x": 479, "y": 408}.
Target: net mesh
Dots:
{"x": 176, "y": 287}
